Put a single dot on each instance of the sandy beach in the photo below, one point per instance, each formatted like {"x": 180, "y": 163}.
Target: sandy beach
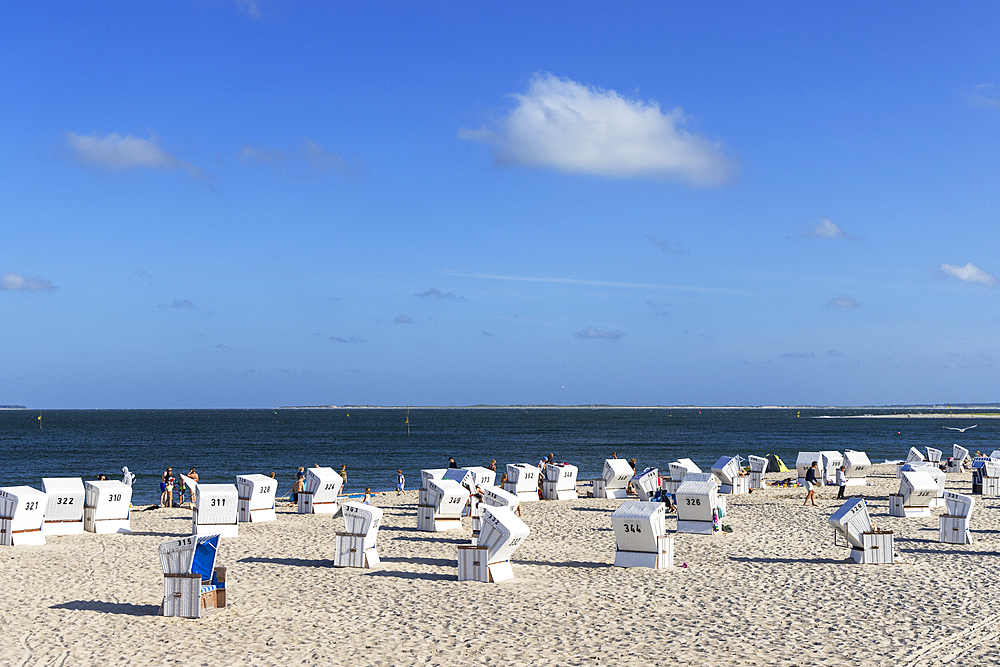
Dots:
{"x": 775, "y": 591}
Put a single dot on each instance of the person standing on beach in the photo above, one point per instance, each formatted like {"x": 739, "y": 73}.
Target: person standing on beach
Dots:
{"x": 299, "y": 485}
{"x": 343, "y": 472}
{"x": 400, "y": 482}
{"x": 811, "y": 485}
{"x": 451, "y": 462}
{"x": 181, "y": 490}
{"x": 841, "y": 481}
{"x": 164, "y": 500}
{"x": 193, "y": 474}
{"x": 492, "y": 466}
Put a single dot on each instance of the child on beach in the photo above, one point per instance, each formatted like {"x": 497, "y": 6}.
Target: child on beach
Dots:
{"x": 368, "y": 497}
{"x": 400, "y": 482}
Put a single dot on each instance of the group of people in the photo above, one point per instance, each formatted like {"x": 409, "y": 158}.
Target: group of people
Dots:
{"x": 812, "y": 481}
{"x": 299, "y": 485}
{"x": 167, "y": 484}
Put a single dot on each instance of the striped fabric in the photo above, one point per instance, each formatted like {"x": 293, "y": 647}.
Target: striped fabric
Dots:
{"x": 208, "y": 589}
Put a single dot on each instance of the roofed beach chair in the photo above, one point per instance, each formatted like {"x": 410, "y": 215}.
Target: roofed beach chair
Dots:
{"x": 853, "y": 528}
{"x": 489, "y": 560}
{"x": 953, "y": 526}
{"x": 107, "y": 507}
{"x": 614, "y": 479}
{"x": 698, "y": 504}
{"x": 641, "y": 538}
{"x": 559, "y": 482}
{"x": 323, "y": 487}
{"x": 192, "y": 585}
{"x": 856, "y": 465}
{"x": 64, "y": 510}
{"x": 256, "y": 498}
{"x": 216, "y": 510}
{"x": 22, "y": 512}
{"x": 758, "y": 466}
{"x": 355, "y": 547}
{"x": 731, "y": 478}
{"x": 917, "y": 489}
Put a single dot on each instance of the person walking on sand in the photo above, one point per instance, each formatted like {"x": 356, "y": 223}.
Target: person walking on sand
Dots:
{"x": 400, "y": 482}
{"x": 811, "y": 485}
{"x": 841, "y": 481}
{"x": 166, "y": 501}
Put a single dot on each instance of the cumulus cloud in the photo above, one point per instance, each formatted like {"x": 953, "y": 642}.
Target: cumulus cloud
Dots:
{"x": 982, "y": 96}
{"x": 825, "y": 228}
{"x": 664, "y": 245}
{"x": 592, "y": 333}
{"x": 309, "y": 159}
{"x": 15, "y": 282}
{"x": 117, "y": 153}
{"x": 403, "y": 319}
{"x": 797, "y": 355}
{"x": 970, "y": 273}
{"x": 573, "y": 128}
{"x": 842, "y": 301}
{"x": 438, "y": 295}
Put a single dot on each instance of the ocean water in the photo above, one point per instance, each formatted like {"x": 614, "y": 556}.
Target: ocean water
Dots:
{"x": 374, "y": 443}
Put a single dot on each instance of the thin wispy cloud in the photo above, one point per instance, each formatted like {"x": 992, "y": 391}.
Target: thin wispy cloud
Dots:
{"x": 970, "y": 273}
{"x": 437, "y": 295}
{"x": 352, "y": 339}
{"x": 592, "y": 333}
{"x": 825, "y": 228}
{"x": 179, "y": 304}
{"x": 660, "y": 308}
{"x": 488, "y": 334}
{"x": 983, "y": 95}
{"x": 797, "y": 355}
{"x": 578, "y": 129}
{"x": 834, "y": 353}
{"x": 665, "y": 245}
{"x": 309, "y": 159}
{"x": 114, "y": 152}
{"x": 251, "y": 8}
{"x": 142, "y": 273}
{"x": 16, "y": 282}
{"x": 403, "y": 319}
{"x": 595, "y": 283}
{"x": 842, "y": 301}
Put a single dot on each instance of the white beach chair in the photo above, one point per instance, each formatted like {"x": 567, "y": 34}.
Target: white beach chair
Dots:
{"x": 355, "y": 547}
{"x": 678, "y": 469}
{"x": 192, "y": 585}
{"x": 614, "y": 479}
{"x": 107, "y": 507}
{"x": 323, "y": 487}
{"x": 216, "y": 510}
{"x": 868, "y": 545}
{"x": 958, "y": 456}
{"x": 426, "y": 476}
{"x": 829, "y": 462}
{"x": 697, "y": 503}
{"x": 489, "y": 561}
{"x": 494, "y": 496}
{"x": 448, "y": 501}
{"x": 953, "y": 526}
{"x": 641, "y": 538}
{"x": 856, "y": 466}
{"x": 522, "y": 481}
{"x": 646, "y": 483}
{"x": 22, "y": 513}
{"x": 917, "y": 489}
{"x": 64, "y": 509}
{"x": 731, "y": 480}
{"x": 481, "y": 475}
{"x": 758, "y": 467}
{"x": 804, "y": 461}
{"x": 256, "y": 498}
{"x": 559, "y": 482}
{"x": 933, "y": 455}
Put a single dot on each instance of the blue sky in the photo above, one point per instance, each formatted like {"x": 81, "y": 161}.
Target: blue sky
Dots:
{"x": 218, "y": 203}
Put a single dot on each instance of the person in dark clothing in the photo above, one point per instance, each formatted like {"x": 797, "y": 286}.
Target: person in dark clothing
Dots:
{"x": 451, "y": 462}
{"x": 841, "y": 481}
{"x": 811, "y": 485}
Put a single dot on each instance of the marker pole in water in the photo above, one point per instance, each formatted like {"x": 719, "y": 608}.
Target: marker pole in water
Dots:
{"x": 407, "y": 420}
{"x": 39, "y": 420}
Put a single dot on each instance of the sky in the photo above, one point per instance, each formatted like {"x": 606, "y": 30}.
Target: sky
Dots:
{"x": 255, "y": 203}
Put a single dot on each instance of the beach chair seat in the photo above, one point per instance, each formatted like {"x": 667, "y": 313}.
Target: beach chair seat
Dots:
{"x": 192, "y": 585}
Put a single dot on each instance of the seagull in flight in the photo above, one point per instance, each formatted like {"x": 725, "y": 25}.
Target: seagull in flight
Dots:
{"x": 961, "y": 430}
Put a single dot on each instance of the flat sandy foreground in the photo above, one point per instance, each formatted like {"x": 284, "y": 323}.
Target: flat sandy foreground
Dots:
{"x": 775, "y": 591}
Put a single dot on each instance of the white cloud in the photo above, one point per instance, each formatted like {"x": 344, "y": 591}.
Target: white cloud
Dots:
{"x": 15, "y": 282}
{"x": 970, "y": 273}
{"x": 842, "y": 301}
{"x": 117, "y": 153}
{"x": 825, "y": 228}
{"x": 595, "y": 283}
{"x": 251, "y": 7}
{"x": 404, "y": 319}
{"x": 597, "y": 334}
{"x": 979, "y": 96}
{"x": 564, "y": 125}
{"x": 438, "y": 295}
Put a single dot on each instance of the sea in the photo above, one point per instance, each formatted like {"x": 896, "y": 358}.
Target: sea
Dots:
{"x": 376, "y": 442}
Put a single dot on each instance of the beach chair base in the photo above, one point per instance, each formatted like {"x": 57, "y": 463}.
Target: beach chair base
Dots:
{"x": 877, "y": 549}
{"x": 669, "y": 485}
{"x": 349, "y": 551}
{"x": 473, "y": 566}
{"x": 63, "y": 527}
{"x": 896, "y": 508}
{"x": 661, "y": 559}
{"x": 551, "y": 492}
{"x": 104, "y": 526}
{"x": 601, "y": 490}
{"x": 857, "y": 481}
{"x": 426, "y": 521}
{"x": 19, "y": 538}
{"x": 955, "y": 467}
{"x": 756, "y": 480}
{"x": 696, "y": 527}
{"x": 954, "y": 529}
{"x": 187, "y": 596}
{"x": 741, "y": 486}
{"x": 247, "y": 515}
{"x": 937, "y": 502}
{"x": 307, "y": 506}
{"x": 991, "y": 486}
{"x": 222, "y": 529}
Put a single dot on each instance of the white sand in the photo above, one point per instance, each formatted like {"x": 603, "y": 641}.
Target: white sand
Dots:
{"x": 776, "y": 591}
